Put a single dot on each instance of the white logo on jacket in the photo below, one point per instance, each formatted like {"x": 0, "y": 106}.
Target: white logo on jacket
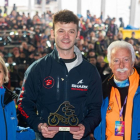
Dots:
{"x": 80, "y": 82}
{"x": 13, "y": 118}
{"x": 79, "y": 85}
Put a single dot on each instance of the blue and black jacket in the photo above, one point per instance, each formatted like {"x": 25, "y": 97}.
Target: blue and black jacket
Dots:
{"x": 8, "y": 119}
{"x": 48, "y": 84}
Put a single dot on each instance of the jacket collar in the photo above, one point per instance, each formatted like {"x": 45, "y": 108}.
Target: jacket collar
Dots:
{"x": 55, "y": 55}
{"x": 9, "y": 96}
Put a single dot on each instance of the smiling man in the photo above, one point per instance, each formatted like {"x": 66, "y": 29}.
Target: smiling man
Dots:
{"x": 121, "y": 91}
{"x": 64, "y": 88}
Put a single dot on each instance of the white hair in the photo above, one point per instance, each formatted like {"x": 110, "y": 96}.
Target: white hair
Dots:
{"x": 120, "y": 44}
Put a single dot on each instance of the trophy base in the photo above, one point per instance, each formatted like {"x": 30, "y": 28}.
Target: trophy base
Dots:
{"x": 63, "y": 128}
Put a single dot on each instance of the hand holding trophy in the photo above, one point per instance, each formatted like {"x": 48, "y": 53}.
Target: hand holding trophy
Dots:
{"x": 69, "y": 120}
{"x": 43, "y": 128}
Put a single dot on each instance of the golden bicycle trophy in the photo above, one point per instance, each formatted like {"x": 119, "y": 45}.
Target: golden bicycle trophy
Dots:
{"x": 69, "y": 118}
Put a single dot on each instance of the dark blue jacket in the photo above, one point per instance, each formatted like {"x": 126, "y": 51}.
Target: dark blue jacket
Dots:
{"x": 47, "y": 84}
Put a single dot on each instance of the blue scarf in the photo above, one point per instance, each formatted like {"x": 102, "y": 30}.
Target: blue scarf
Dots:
{"x": 124, "y": 83}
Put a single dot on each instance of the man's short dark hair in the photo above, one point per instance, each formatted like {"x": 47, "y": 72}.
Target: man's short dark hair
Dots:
{"x": 65, "y": 16}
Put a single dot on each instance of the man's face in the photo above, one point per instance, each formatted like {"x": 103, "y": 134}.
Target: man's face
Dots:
{"x": 133, "y": 35}
{"x": 92, "y": 61}
{"x": 100, "y": 59}
{"x": 121, "y": 63}
{"x": 16, "y": 52}
{"x": 119, "y": 36}
{"x": 91, "y": 54}
{"x": 65, "y": 35}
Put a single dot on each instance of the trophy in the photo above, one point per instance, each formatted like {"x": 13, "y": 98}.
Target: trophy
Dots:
{"x": 69, "y": 118}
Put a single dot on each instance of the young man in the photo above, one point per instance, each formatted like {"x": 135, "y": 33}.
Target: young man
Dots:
{"x": 121, "y": 91}
{"x": 63, "y": 87}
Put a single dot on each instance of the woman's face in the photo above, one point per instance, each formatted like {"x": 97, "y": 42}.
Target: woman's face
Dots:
{"x": 1, "y": 75}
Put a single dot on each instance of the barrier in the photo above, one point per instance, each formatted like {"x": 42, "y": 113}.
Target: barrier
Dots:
{"x": 128, "y": 33}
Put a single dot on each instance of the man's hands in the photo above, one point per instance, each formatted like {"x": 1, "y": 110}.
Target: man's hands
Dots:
{"x": 42, "y": 127}
{"x": 78, "y": 134}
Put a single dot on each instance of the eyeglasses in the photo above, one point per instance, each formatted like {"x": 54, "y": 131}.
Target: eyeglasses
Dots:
{"x": 124, "y": 61}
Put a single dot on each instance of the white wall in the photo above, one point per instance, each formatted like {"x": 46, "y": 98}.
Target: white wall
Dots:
{"x": 93, "y": 5}
{"x": 18, "y": 2}
{"x": 137, "y": 14}
{"x": 2, "y": 2}
{"x": 118, "y": 8}
{"x": 70, "y": 5}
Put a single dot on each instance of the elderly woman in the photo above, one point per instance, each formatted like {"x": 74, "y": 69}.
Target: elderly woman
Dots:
{"x": 8, "y": 119}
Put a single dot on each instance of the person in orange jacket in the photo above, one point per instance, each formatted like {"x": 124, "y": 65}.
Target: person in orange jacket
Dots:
{"x": 121, "y": 93}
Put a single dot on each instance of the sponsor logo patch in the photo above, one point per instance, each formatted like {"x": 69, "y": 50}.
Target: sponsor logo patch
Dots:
{"x": 48, "y": 82}
{"x": 79, "y": 86}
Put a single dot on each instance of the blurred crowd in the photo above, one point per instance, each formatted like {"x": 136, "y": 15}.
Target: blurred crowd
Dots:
{"x": 24, "y": 39}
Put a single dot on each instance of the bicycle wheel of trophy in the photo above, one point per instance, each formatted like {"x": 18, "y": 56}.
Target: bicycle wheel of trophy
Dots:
{"x": 53, "y": 120}
{"x": 73, "y": 121}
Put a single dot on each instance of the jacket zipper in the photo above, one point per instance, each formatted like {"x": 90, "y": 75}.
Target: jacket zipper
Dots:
{"x": 66, "y": 97}
{"x": 66, "y": 87}
{"x": 4, "y": 117}
{"x": 66, "y": 93}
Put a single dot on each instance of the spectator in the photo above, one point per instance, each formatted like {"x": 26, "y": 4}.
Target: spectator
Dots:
{"x": 113, "y": 28}
{"x": 127, "y": 39}
{"x": 120, "y": 36}
{"x": 14, "y": 7}
{"x": 0, "y": 11}
{"x": 138, "y": 42}
{"x": 16, "y": 56}
{"x": 102, "y": 67}
{"x": 133, "y": 38}
{"x": 122, "y": 23}
{"x": 100, "y": 59}
{"x": 91, "y": 53}
{"x": 14, "y": 77}
{"x": 2, "y": 55}
{"x": 99, "y": 27}
{"x": 5, "y": 9}
{"x": 29, "y": 21}
{"x": 100, "y": 45}
{"x": 93, "y": 39}
{"x": 25, "y": 49}
{"x": 92, "y": 60}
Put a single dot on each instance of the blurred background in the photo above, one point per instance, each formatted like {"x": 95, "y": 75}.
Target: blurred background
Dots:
{"x": 25, "y": 27}
{"x": 127, "y": 9}
{"x": 25, "y": 31}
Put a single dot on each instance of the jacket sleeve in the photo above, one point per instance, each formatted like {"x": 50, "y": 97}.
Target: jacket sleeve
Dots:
{"x": 28, "y": 97}
{"x": 23, "y": 133}
{"x": 94, "y": 101}
{"x": 97, "y": 132}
